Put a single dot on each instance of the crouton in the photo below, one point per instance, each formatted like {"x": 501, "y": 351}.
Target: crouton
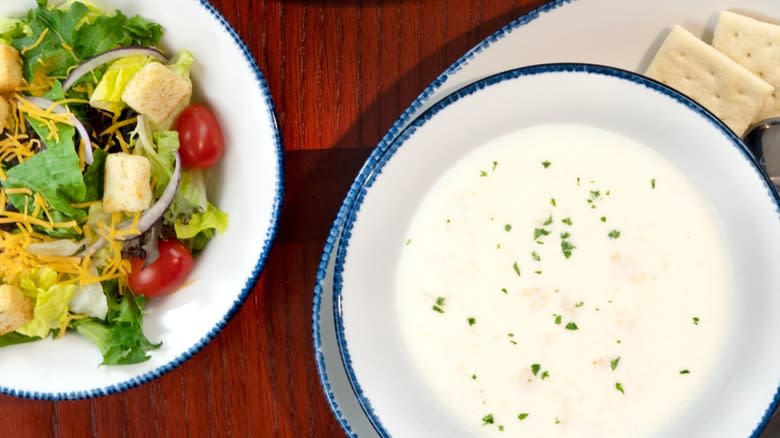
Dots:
{"x": 126, "y": 185}
{"x": 158, "y": 93}
{"x": 10, "y": 69}
{"x": 5, "y": 112}
{"x": 15, "y": 309}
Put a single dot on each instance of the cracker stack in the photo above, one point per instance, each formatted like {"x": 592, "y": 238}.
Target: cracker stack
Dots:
{"x": 735, "y": 79}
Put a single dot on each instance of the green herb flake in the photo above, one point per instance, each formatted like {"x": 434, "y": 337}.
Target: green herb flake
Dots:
{"x": 614, "y": 234}
{"x": 482, "y": 173}
{"x": 603, "y": 218}
{"x": 408, "y": 242}
{"x": 553, "y": 202}
{"x": 572, "y": 326}
{"x": 549, "y": 221}
{"x": 558, "y": 319}
{"x": 516, "y": 267}
{"x": 535, "y": 256}
{"x": 440, "y": 301}
{"x": 565, "y": 235}
{"x": 546, "y": 164}
{"x": 506, "y": 292}
{"x": 508, "y": 227}
{"x": 473, "y": 377}
{"x": 652, "y": 183}
{"x": 619, "y": 341}
{"x": 495, "y": 164}
{"x": 557, "y": 421}
{"x": 619, "y": 387}
{"x": 578, "y": 181}
{"x": 567, "y": 221}
{"x": 437, "y": 309}
{"x": 487, "y": 419}
{"x": 500, "y": 427}
{"x": 535, "y": 368}
{"x": 696, "y": 320}
{"x": 498, "y": 246}
{"x": 545, "y": 375}
{"x": 684, "y": 372}
{"x": 471, "y": 321}
{"x": 614, "y": 363}
{"x": 448, "y": 220}
{"x": 522, "y": 416}
{"x": 539, "y": 232}
{"x": 538, "y": 272}
{"x": 580, "y": 304}
{"x": 566, "y": 248}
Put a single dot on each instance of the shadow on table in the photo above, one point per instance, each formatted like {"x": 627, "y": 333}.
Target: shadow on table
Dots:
{"x": 318, "y": 180}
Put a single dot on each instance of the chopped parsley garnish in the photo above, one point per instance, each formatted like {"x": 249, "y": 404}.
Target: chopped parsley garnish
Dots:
{"x": 498, "y": 246}
{"x": 538, "y": 272}
{"x": 558, "y": 319}
{"x": 567, "y": 247}
{"x": 549, "y": 221}
{"x": 578, "y": 180}
{"x": 619, "y": 341}
{"x": 571, "y": 326}
{"x": 535, "y": 368}
{"x": 546, "y": 164}
{"x": 595, "y": 194}
{"x": 614, "y": 363}
{"x": 473, "y": 377}
{"x": 522, "y": 416}
{"x": 603, "y": 218}
{"x": 508, "y": 227}
{"x": 553, "y": 203}
{"x": 495, "y": 164}
{"x": 439, "y": 304}
{"x": 580, "y": 304}
{"x": 619, "y": 387}
{"x": 684, "y": 372}
{"x": 487, "y": 419}
{"x": 506, "y": 292}
{"x": 513, "y": 342}
{"x": 652, "y": 183}
{"x": 614, "y": 234}
{"x": 565, "y": 235}
{"x": 545, "y": 375}
{"x": 696, "y": 320}
{"x": 557, "y": 421}
{"x": 511, "y": 335}
{"x": 500, "y": 427}
{"x": 448, "y": 220}
{"x": 482, "y": 173}
{"x": 408, "y": 242}
{"x": 516, "y": 267}
{"x": 567, "y": 221}
{"x": 535, "y": 256}
{"x": 472, "y": 321}
{"x": 539, "y": 232}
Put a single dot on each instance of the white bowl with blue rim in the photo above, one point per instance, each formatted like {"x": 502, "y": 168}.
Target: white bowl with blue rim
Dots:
{"x": 247, "y": 184}
{"x": 744, "y": 389}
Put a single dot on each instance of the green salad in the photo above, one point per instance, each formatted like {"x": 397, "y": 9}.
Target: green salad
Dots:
{"x": 103, "y": 169}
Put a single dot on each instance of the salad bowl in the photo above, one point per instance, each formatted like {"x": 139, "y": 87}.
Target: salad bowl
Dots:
{"x": 246, "y": 184}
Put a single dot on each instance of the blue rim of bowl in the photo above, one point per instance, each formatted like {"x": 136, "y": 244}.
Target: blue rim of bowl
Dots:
{"x": 250, "y": 282}
{"x": 368, "y": 167}
{"x": 468, "y": 90}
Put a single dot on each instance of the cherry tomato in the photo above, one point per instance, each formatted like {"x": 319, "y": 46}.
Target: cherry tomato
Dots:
{"x": 200, "y": 137}
{"x": 165, "y": 274}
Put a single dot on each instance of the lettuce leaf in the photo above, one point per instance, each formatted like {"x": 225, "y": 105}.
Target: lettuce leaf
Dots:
{"x": 54, "y": 173}
{"x": 161, "y": 152}
{"x": 212, "y": 218}
{"x": 74, "y": 32}
{"x": 93, "y": 177}
{"x": 108, "y": 93}
{"x": 51, "y": 302}
{"x": 13, "y": 338}
{"x": 120, "y": 337}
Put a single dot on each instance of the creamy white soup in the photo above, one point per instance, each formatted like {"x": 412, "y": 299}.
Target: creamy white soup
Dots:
{"x": 564, "y": 281}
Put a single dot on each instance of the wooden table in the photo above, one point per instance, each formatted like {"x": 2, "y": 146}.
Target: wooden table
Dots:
{"x": 341, "y": 71}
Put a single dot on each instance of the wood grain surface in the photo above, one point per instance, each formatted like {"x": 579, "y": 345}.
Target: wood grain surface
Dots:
{"x": 340, "y": 71}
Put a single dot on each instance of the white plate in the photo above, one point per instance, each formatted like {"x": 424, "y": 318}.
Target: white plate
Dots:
{"x": 388, "y": 387}
{"x": 610, "y": 32}
{"x": 247, "y": 184}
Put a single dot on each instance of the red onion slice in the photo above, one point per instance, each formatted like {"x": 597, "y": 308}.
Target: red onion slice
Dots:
{"x": 105, "y": 57}
{"x": 45, "y": 104}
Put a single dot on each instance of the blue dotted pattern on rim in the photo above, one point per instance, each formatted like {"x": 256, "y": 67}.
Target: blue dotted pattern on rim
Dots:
{"x": 351, "y": 215}
{"x": 270, "y": 235}
{"x": 368, "y": 167}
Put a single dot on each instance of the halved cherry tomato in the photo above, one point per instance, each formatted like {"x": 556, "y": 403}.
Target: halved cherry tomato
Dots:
{"x": 165, "y": 274}
{"x": 200, "y": 137}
